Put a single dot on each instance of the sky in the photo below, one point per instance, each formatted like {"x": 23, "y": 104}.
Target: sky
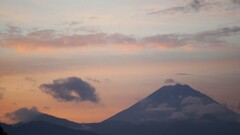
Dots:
{"x": 87, "y": 60}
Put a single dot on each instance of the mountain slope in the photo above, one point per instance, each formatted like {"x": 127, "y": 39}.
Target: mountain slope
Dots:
{"x": 178, "y": 102}
{"x": 172, "y": 110}
{"x": 59, "y": 121}
{"x": 42, "y": 128}
{"x": 183, "y": 127}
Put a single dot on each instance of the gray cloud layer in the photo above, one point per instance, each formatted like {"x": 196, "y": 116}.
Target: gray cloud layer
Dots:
{"x": 70, "y": 89}
{"x": 23, "y": 115}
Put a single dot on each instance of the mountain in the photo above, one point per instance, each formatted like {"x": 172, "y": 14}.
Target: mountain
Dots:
{"x": 172, "y": 110}
{"x": 48, "y": 125}
{"x": 42, "y": 128}
{"x": 175, "y": 102}
{"x": 59, "y": 121}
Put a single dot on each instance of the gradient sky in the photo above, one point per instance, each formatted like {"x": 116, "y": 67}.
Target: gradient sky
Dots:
{"x": 125, "y": 49}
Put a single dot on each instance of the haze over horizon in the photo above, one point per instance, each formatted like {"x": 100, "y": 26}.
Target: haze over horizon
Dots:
{"x": 87, "y": 60}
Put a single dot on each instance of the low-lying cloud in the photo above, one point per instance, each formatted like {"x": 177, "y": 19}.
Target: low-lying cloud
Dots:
{"x": 23, "y": 115}
{"x": 164, "y": 107}
{"x": 194, "y": 107}
{"x": 70, "y": 89}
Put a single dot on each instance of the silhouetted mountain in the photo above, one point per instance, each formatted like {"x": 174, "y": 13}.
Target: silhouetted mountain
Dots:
{"x": 173, "y": 110}
{"x": 42, "y": 128}
{"x": 178, "y": 102}
{"x": 59, "y": 121}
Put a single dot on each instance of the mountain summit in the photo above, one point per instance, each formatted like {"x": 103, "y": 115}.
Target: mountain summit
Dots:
{"x": 175, "y": 102}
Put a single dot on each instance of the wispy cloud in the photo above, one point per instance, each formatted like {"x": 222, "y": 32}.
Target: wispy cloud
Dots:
{"x": 70, "y": 89}
{"x": 93, "y": 80}
{"x": 31, "y": 80}
{"x": 192, "y": 6}
{"x": 195, "y": 6}
{"x": 183, "y": 74}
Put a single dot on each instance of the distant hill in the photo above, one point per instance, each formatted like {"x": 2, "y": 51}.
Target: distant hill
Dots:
{"x": 59, "y": 121}
{"x": 42, "y": 128}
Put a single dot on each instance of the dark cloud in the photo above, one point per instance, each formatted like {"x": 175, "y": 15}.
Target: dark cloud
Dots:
{"x": 183, "y": 74}
{"x": 2, "y": 90}
{"x": 70, "y": 89}
{"x": 23, "y": 115}
{"x": 93, "y": 80}
{"x": 170, "y": 82}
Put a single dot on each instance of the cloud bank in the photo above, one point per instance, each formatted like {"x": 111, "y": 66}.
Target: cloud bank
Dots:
{"x": 70, "y": 89}
{"x": 42, "y": 40}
